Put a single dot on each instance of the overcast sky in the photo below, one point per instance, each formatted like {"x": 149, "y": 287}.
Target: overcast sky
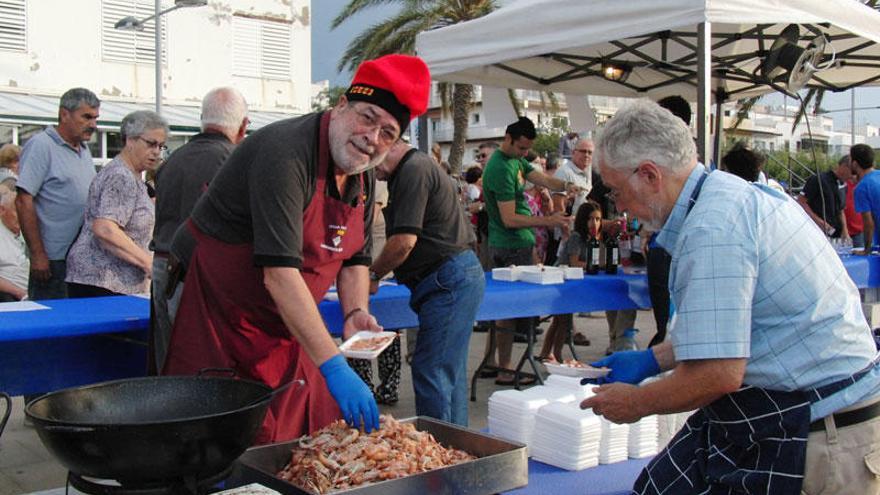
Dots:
{"x": 328, "y": 46}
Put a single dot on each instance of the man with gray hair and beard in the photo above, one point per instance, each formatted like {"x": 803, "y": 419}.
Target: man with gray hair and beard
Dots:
{"x": 768, "y": 342}
{"x": 179, "y": 184}
{"x": 286, "y": 216}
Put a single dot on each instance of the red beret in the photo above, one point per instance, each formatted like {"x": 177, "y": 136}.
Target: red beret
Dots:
{"x": 401, "y": 84}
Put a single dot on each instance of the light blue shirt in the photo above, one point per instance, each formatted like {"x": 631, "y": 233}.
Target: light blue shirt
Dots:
{"x": 866, "y": 197}
{"x": 58, "y": 178}
{"x": 753, "y": 277}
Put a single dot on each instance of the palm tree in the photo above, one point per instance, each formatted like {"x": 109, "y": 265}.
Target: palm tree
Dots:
{"x": 398, "y": 35}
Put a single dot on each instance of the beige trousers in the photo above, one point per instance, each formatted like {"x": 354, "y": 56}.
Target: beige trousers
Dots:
{"x": 844, "y": 461}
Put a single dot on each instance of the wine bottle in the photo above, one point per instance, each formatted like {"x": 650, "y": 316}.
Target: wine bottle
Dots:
{"x": 592, "y": 256}
{"x": 612, "y": 255}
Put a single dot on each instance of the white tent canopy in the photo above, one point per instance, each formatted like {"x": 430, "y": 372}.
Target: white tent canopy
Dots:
{"x": 559, "y": 45}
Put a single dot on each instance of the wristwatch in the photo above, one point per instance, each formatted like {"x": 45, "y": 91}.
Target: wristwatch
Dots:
{"x": 374, "y": 277}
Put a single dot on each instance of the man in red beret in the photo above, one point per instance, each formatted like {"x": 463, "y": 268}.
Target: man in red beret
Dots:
{"x": 286, "y": 216}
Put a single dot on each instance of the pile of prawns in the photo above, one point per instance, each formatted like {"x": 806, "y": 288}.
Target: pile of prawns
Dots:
{"x": 337, "y": 457}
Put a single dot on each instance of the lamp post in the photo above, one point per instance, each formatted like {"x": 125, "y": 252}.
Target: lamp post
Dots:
{"x": 130, "y": 23}
{"x": 852, "y": 115}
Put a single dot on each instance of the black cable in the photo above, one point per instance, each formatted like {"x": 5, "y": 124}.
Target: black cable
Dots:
{"x": 815, "y": 161}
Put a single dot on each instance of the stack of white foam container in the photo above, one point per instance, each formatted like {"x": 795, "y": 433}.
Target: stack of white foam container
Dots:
{"x": 512, "y": 412}
{"x": 614, "y": 442}
{"x": 642, "y": 441}
{"x": 566, "y": 436}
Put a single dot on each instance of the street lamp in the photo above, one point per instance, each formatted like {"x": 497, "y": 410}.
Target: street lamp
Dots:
{"x": 130, "y": 23}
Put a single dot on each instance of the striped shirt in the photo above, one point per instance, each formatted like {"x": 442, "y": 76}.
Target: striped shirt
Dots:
{"x": 753, "y": 277}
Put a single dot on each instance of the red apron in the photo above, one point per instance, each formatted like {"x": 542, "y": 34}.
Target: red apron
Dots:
{"x": 228, "y": 319}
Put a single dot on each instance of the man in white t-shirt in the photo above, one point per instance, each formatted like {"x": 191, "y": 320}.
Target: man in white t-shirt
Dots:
{"x": 578, "y": 170}
{"x": 14, "y": 263}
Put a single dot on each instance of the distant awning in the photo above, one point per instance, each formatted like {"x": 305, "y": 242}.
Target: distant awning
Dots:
{"x": 184, "y": 119}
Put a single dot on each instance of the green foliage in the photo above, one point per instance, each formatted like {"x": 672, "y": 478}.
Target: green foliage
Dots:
{"x": 327, "y": 98}
{"x": 546, "y": 143}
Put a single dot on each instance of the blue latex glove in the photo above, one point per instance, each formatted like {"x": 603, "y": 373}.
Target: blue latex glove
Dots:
{"x": 351, "y": 393}
{"x": 627, "y": 367}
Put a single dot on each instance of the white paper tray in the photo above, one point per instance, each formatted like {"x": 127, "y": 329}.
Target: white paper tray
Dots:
{"x": 365, "y": 334}
{"x": 589, "y": 372}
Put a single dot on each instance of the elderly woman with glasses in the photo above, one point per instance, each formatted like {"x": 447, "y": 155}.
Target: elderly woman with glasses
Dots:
{"x": 110, "y": 255}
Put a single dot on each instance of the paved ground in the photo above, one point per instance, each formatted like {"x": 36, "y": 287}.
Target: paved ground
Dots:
{"x": 26, "y": 466}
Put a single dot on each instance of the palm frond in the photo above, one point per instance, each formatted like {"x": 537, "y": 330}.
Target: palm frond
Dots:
{"x": 354, "y": 7}
{"x": 742, "y": 112}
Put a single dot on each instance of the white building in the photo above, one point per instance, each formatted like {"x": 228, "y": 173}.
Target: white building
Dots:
{"x": 261, "y": 47}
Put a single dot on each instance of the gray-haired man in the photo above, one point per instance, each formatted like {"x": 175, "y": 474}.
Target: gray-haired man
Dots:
{"x": 55, "y": 172}
{"x": 179, "y": 184}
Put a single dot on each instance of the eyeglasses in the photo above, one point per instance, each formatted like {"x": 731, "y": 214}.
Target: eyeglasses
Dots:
{"x": 481, "y": 156}
{"x": 156, "y": 145}
{"x": 367, "y": 118}
{"x": 614, "y": 194}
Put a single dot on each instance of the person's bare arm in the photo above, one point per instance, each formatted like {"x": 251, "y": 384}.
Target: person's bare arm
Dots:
{"x": 802, "y": 200}
{"x": 12, "y": 289}
{"x": 113, "y": 239}
{"x": 691, "y": 385}
{"x": 513, "y": 220}
{"x": 353, "y": 285}
{"x": 299, "y": 312}
{"x": 868, "y": 231}
{"x": 395, "y": 252}
{"x": 30, "y": 228}
{"x": 549, "y": 181}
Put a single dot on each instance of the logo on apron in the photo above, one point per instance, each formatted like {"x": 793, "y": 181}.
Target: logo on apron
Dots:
{"x": 336, "y": 233}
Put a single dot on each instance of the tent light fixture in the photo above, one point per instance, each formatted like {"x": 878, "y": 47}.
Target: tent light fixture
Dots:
{"x": 616, "y": 72}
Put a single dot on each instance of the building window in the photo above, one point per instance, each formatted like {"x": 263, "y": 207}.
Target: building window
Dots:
{"x": 13, "y": 25}
{"x": 475, "y": 119}
{"x": 261, "y": 48}
{"x": 130, "y": 46}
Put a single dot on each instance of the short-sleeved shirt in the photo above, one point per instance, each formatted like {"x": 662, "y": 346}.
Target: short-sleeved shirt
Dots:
{"x": 14, "y": 263}
{"x": 259, "y": 195}
{"x": 854, "y": 225}
{"x": 504, "y": 180}
{"x": 581, "y": 178}
{"x": 752, "y": 277}
{"x": 867, "y": 199}
{"x": 58, "y": 177}
{"x": 183, "y": 179}
{"x": 423, "y": 201}
{"x": 116, "y": 194}
{"x": 833, "y": 195}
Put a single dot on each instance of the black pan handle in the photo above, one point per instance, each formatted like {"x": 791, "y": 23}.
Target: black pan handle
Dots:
{"x": 271, "y": 395}
{"x": 218, "y": 371}
{"x": 8, "y": 401}
{"x": 70, "y": 429}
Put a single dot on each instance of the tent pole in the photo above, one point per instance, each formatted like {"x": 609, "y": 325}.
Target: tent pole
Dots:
{"x": 719, "y": 126}
{"x": 704, "y": 96}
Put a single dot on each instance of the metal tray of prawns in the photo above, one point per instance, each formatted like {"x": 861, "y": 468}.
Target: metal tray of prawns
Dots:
{"x": 500, "y": 466}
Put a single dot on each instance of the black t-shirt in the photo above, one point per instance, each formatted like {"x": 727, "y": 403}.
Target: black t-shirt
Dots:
{"x": 423, "y": 201}
{"x": 182, "y": 180}
{"x": 261, "y": 192}
{"x": 834, "y": 194}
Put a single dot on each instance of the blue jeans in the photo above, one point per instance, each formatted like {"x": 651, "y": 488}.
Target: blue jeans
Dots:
{"x": 446, "y": 302}
{"x": 55, "y": 287}
{"x": 858, "y": 240}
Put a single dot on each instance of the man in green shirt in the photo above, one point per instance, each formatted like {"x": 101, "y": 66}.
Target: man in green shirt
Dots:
{"x": 511, "y": 238}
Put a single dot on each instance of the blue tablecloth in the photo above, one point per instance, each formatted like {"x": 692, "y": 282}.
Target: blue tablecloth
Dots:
{"x": 80, "y": 341}
{"x": 608, "y": 479}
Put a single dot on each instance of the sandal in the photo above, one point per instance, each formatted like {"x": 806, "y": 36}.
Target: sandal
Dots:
{"x": 580, "y": 339}
{"x": 526, "y": 380}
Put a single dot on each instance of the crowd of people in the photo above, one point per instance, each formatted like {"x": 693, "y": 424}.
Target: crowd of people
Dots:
{"x": 245, "y": 236}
